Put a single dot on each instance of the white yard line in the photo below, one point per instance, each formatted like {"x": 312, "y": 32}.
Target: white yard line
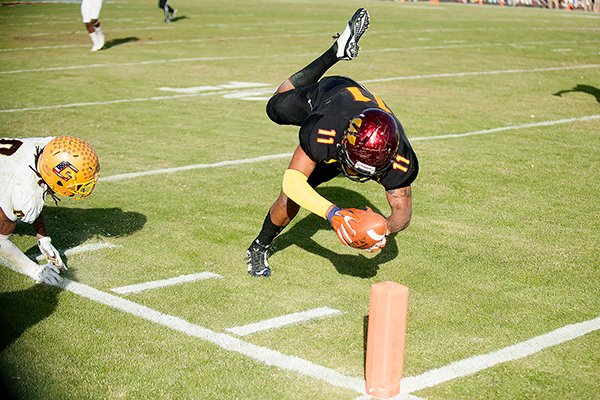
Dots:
{"x": 236, "y": 93}
{"x": 476, "y": 73}
{"x": 230, "y": 343}
{"x": 140, "y": 287}
{"x": 472, "y": 365}
{"x": 284, "y": 320}
{"x": 132, "y": 175}
{"x": 258, "y": 37}
{"x": 509, "y": 128}
{"x": 242, "y": 57}
{"x": 84, "y": 248}
{"x": 303, "y": 367}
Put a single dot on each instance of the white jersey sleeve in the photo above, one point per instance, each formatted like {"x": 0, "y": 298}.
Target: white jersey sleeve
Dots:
{"x": 22, "y": 192}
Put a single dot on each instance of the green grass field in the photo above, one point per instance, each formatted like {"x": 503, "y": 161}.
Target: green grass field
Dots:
{"x": 503, "y": 245}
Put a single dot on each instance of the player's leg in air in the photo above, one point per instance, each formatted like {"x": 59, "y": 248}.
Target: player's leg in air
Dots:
{"x": 291, "y": 109}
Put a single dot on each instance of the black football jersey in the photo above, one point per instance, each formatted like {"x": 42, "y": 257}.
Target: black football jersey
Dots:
{"x": 337, "y": 102}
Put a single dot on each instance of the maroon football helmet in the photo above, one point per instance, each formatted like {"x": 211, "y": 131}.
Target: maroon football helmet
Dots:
{"x": 369, "y": 145}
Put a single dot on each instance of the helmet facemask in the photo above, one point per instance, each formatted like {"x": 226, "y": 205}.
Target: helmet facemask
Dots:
{"x": 369, "y": 145}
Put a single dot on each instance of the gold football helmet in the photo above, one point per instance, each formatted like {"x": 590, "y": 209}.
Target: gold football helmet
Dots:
{"x": 69, "y": 166}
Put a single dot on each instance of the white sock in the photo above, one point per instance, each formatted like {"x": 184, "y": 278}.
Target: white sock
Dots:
{"x": 93, "y": 37}
{"x": 100, "y": 36}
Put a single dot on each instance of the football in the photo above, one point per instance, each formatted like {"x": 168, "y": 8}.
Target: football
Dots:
{"x": 366, "y": 229}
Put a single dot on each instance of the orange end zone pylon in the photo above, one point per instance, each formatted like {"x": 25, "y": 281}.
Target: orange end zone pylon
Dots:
{"x": 386, "y": 335}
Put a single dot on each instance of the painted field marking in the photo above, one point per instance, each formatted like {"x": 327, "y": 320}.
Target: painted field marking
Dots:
{"x": 228, "y": 85}
{"x": 303, "y": 367}
{"x": 229, "y": 92}
{"x": 110, "y": 102}
{"x": 240, "y": 57}
{"x": 284, "y": 320}
{"x": 257, "y": 37}
{"x": 475, "y": 73}
{"x": 140, "y": 287}
{"x": 132, "y": 175}
{"x": 226, "y": 342}
{"x": 509, "y": 128}
{"x": 472, "y": 365}
{"x": 84, "y": 248}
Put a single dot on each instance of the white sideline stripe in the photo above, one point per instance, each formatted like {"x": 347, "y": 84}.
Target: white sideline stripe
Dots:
{"x": 472, "y": 365}
{"x": 284, "y": 320}
{"x": 230, "y": 343}
{"x": 84, "y": 248}
{"x": 179, "y": 96}
{"x": 131, "y": 175}
{"x": 140, "y": 287}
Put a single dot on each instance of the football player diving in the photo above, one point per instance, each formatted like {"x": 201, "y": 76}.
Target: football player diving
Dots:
{"x": 30, "y": 170}
{"x": 343, "y": 129}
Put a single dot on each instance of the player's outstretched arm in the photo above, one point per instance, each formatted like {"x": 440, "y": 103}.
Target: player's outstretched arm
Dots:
{"x": 295, "y": 185}
{"x": 19, "y": 262}
{"x": 401, "y": 204}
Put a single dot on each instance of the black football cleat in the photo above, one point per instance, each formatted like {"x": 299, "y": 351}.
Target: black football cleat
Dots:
{"x": 258, "y": 265}
{"x": 347, "y": 42}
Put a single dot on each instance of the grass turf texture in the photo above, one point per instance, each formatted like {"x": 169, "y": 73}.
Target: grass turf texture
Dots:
{"x": 502, "y": 247}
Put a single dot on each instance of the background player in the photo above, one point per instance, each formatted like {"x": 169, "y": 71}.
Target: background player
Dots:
{"x": 169, "y": 11}
{"x": 343, "y": 128}
{"x": 30, "y": 169}
{"x": 90, "y": 13}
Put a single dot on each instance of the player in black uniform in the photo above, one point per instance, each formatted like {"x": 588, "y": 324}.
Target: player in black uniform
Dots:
{"x": 343, "y": 129}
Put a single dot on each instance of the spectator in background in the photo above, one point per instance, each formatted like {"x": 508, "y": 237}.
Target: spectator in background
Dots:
{"x": 168, "y": 10}
{"x": 90, "y": 12}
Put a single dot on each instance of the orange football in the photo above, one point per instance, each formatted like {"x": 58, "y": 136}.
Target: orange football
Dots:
{"x": 368, "y": 229}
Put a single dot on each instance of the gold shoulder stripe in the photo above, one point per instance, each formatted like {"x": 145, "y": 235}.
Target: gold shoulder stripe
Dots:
{"x": 402, "y": 159}
{"x": 330, "y": 132}
{"x": 325, "y": 141}
{"x": 400, "y": 167}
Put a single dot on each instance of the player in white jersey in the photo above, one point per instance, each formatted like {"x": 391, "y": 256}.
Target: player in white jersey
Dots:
{"x": 90, "y": 13}
{"x": 31, "y": 169}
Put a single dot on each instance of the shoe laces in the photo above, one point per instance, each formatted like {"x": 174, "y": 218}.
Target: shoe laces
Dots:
{"x": 258, "y": 254}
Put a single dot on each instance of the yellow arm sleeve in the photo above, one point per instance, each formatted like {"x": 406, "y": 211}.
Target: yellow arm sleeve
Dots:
{"x": 296, "y": 187}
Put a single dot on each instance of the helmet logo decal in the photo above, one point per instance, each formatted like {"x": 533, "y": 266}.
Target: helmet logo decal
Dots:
{"x": 353, "y": 128}
{"x": 65, "y": 170}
